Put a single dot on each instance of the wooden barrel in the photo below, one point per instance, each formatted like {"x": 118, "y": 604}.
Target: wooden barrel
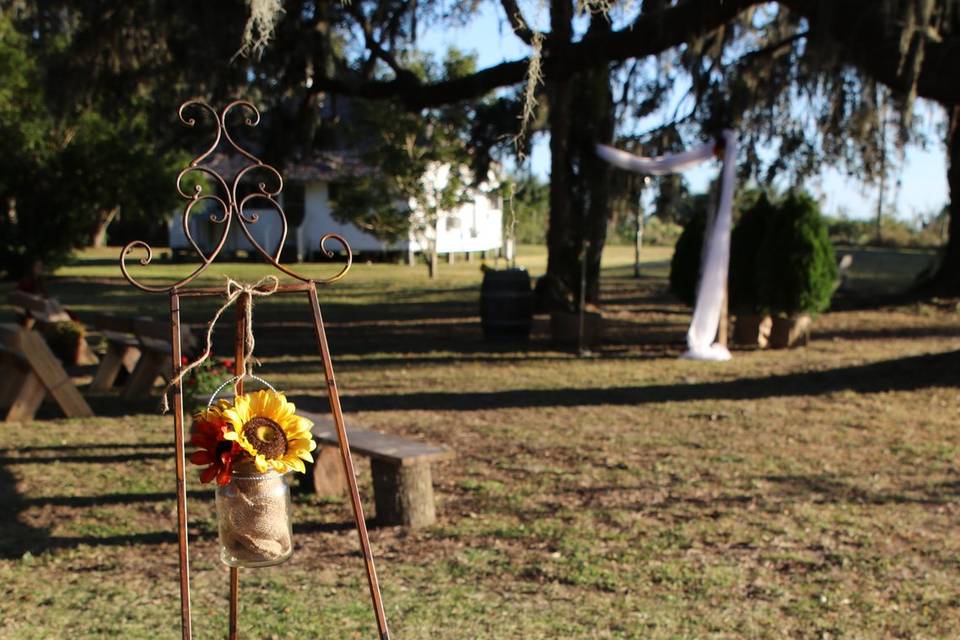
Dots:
{"x": 506, "y": 304}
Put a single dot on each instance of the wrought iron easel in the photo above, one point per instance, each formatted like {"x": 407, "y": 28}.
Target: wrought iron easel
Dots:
{"x": 232, "y": 209}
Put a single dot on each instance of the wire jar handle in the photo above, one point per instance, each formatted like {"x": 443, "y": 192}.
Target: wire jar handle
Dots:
{"x": 234, "y": 379}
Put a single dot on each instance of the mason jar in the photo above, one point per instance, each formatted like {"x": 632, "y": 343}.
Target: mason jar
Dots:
{"x": 253, "y": 516}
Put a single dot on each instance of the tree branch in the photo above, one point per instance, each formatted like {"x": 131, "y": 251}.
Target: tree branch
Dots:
{"x": 520, "y": 26}
{"x": 649, "y": 34}
{"x": 853, "y": 25}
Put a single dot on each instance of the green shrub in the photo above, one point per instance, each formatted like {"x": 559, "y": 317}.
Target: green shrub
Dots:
{"x": 796, "y": 266}
{"x": 685, "y": 264}
{"x": 745, "y": 243}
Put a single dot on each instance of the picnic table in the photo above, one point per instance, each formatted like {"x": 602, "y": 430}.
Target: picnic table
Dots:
{"x": 30, "y": 372}
{"x": 141, "y": 347}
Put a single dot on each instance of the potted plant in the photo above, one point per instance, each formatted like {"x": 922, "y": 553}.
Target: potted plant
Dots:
{"x": 796, "y": 269}
{"x": 248, "y": 445}
{"x": 66, "y": 339}
{"x": 203, "y": 381}
{"x": 752, "y": 326}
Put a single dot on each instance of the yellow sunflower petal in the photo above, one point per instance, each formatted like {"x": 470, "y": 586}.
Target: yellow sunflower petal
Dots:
{"x": 231, "y": 435}
{"x": 297, "y": 465}
{"x": 306, "y": 456}
{"x": 261, "y": 464}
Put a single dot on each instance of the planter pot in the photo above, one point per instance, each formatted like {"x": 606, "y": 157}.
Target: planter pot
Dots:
{"x": 565, "y": 327}
{"x": 752, "y": 330}
{"x": 253, "y": 516}
{"x": 790, "y": 332}
{"x": 506, "y": 304}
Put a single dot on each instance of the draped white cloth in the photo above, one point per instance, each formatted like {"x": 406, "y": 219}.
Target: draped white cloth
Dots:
{"x": 715, "y": 258}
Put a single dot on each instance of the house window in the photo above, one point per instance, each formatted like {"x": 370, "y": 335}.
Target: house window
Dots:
{"x": 453, "y": 223}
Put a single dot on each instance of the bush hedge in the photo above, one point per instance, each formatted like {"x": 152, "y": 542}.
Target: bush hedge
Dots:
{"x": 796, "y": 267}
{"x": 745, "y": 242}
{"x": 685, "y": 264}
{"x": 781, "y": 257}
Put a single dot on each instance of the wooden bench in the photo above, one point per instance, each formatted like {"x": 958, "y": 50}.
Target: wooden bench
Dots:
{"x": 154, "y": 364}
{"x": 402, "y": 482}
{"x": 141, "y": 346}
{"x": 28, "y": 372}
{"x": 37, "y": 310}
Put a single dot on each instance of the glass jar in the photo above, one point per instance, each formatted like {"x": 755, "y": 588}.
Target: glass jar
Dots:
{"x": 253, "y": 515}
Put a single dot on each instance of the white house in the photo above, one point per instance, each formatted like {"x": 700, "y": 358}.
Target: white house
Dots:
{"x": 474, "y": 226}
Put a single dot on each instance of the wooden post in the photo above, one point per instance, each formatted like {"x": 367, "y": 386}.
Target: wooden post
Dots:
{"x": 239, "y": 352}
{"x": 184, "y": 554}
{"x": 403, "y": 494}
{"x": 327, "y": 474}
{"x": 723, "y": 330}
{"x": 333, "y": 394}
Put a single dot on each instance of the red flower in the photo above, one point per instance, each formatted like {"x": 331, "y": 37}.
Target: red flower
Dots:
{"x": 228, "y": 364}
{"x": 214, "y": 451}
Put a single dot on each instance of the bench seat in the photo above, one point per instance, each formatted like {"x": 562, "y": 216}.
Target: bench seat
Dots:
{"x": 400, "y": 466}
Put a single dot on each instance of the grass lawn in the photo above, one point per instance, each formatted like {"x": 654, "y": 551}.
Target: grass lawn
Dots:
{"x": 811, "y": 493}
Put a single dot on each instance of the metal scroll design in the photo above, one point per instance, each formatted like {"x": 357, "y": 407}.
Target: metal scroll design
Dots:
{"x": 228, "y": 206}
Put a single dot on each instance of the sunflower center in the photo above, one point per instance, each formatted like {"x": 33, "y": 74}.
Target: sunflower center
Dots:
{"x": 266, "y": 436}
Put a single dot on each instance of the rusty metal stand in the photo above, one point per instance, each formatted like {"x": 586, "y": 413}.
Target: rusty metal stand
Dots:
{"x": 232, "y": 209}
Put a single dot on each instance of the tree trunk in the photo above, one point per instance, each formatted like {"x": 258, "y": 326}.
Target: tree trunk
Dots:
{"x": 579, "y": 198}
{"x": 947, "y": 278}
{"x": 99, "y": 236}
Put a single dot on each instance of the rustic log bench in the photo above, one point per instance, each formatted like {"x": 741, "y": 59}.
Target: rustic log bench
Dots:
{"x": 28, "y": 372}
{"x": 402, "y": 482}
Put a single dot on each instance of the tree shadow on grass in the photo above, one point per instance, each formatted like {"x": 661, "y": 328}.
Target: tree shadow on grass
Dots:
{"x": 901, "y": 374}
{"x": 17, "y": 537}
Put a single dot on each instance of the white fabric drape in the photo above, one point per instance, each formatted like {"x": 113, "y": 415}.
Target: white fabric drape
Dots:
{"x": 715, "y": 258}
{"x": 660, "y": 165}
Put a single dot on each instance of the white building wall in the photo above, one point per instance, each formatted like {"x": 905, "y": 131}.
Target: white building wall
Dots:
{"x": 474, "y": 226}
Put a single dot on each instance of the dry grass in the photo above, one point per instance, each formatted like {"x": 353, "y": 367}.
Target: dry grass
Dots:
{"x": 807, "y": 494}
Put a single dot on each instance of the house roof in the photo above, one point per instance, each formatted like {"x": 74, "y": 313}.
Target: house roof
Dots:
{"x": 320, "y": 166}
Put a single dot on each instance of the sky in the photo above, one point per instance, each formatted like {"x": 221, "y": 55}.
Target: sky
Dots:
{"x": 923, "y": 185}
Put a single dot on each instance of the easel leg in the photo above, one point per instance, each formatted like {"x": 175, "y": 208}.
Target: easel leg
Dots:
{"x": 348, "y": 465}
{"x": 180, "y": 464}
{"x": 239, "y": 351}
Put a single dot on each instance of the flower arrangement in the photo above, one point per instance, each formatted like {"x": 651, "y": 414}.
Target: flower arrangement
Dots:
{"x": 247, "y": 446}
{"x": 260, "y": 427}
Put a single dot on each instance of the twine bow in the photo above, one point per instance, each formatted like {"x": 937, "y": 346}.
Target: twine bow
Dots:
{"x": 264, "y": 287}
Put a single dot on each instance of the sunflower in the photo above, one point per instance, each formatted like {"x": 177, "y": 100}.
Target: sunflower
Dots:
{"x": 267, "y": 427}
{"x": 215, "y": 450}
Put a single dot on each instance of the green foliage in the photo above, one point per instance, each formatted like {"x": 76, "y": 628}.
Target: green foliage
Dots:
{"x": 204, "y": 380}
{"x": 894, "y": 232}
{"x": 63, "y": 176}
{"x": 530, "y": 207}
{"x": 685, "y": 264}
{"x": 796, "y": 265}
{"x": 416, "y": 161}
{"x": 745, "y": 242}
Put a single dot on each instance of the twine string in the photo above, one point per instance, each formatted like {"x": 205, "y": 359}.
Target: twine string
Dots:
{"x": 264, "y": 287}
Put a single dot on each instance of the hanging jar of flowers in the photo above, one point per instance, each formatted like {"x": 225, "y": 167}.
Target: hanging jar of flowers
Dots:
{"x": 249, "y": 446}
